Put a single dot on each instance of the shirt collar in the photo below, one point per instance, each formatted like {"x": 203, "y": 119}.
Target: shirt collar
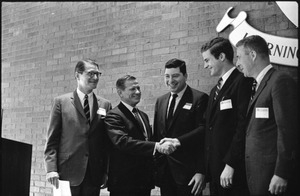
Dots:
{"x": 81, "y": 94}
{"x": 180, "y": 94}
{"x": 262, "y": 74}
{"x": 226, "y": 75}
{"x": 129, "y": 107}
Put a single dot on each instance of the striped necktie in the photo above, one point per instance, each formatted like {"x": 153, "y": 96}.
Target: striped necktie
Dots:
{"x": 139, "y": 120}
{"x": 86, "y": 108}
{"x": 253, "y": 90}
{"x": 218, "y": 88}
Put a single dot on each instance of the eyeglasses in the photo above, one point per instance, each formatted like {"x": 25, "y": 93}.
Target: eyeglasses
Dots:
{"x": 91, "y": 74}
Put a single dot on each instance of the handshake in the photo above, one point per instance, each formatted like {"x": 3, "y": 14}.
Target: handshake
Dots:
{"x": 167, "y": 145}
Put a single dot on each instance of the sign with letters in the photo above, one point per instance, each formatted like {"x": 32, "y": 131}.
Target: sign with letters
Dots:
{"x": 283, "y": 50}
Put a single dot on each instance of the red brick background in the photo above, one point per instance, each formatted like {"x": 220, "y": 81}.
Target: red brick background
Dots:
{"x": 42, "y": 41}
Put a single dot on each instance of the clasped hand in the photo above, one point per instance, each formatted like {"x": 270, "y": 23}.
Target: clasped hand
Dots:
{"x": 167, "y": 145}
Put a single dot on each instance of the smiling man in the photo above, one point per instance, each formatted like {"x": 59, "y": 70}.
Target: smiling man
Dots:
{"x": 179, "y": 118}
{"x": 225, "y": 121}
{"x": 75, "y": 146}
{"x": 132, "y": 146}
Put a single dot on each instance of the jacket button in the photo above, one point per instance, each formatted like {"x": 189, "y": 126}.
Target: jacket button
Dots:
{"x": 86, "y": 154}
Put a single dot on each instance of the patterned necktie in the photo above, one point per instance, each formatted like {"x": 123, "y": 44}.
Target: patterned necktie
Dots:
{"x": 253, "y": 90}
{"x": 218, "y": 88}
{"x": 139, "y": 120}
{"x": 171, "y": 108}
{"x": 86, "y": 108}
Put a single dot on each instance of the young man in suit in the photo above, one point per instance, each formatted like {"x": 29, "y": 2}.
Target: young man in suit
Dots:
{"x": 272, "y": 130}
{"x": 132, "y": 146}
{"x": 75, "y": 146}
{"x": 225, "y": 121}
{"x": 179, "y": 118}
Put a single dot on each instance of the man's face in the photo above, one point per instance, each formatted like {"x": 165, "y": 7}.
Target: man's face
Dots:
{"x": 131, "y": 94}
{"x": 175, "y": 80}
{"x": 88, "y": 80}
{"x": 210, "y": 62}
{"x": 244, "y": 61}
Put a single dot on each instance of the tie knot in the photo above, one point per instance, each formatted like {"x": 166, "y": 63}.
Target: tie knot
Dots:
{"x": 175, "y": 96}
{"x": 134, "y": 110}
{"x": 220, "y": 81}
{"x": 254, "y": 83}
{"x": 86, "y": 96}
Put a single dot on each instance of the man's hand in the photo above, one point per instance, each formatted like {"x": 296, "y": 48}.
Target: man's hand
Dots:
{"x": 165, "y": 148}
{"x": 174, "y": 141}
{"x": 277, "y": 185}
{"x": 226, "y": 176}
{"x": 199, "y": 183}
{"x": 53, "y": 177}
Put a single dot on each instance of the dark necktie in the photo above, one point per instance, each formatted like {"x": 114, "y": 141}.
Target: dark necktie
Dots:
{"x": 218, "y": 88}
{"x": 253, "y": 90}
{"x": 171, "y": 109}
{"x": 139, "y": 120}
{"x": 86, "y": 108}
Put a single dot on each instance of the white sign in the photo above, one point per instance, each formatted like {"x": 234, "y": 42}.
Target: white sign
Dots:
{"x": 282, "y": 50}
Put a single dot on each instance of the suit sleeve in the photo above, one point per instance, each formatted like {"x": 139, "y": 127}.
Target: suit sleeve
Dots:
{"x": 196, "y": 137}
{"x": 53, "y": 137}
{"x": 122, "y": 140}
{"x": 284, "y": 97}
{"x": 235, "y": 153}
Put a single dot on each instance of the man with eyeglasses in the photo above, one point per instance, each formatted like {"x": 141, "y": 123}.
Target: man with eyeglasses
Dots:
{"x": 75, "y": 149}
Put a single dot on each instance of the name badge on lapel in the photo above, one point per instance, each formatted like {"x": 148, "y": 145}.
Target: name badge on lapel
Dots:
{"x": 261, "y": 112}
{"x": 102, "y": 112}
{"x": 187, "y": 106}
{"x": 226, "y": 104}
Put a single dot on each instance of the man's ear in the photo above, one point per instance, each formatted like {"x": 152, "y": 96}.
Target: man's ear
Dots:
{"x": 222, "y": 56}
{"x": 253, "y": 55}
{"x": 76, "y": 75}
{"x": 119, "y": 91}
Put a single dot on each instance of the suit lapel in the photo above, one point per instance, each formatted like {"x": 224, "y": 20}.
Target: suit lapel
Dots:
{"x": 76, "y": 102}
{"x": 186, "y": 98}
{"x": 148, "y": 128}
{"x": 261, "y": 87}
{"x": 220, "y": 97}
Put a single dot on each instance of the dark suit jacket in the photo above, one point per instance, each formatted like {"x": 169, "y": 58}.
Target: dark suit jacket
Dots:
{"x": 131, "y": 156}
{"x": 72, "y": 144}
{"x": 187, "y": 126}
{"x": 271, "y": 142}
{"x": 225, "y": 128}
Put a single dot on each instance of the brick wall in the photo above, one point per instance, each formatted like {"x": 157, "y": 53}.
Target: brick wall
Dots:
{"x": 42, "y": 41}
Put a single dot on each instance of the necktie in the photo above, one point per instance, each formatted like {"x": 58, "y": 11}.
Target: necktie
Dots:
{"x": 139, "y": 120}
{"x": 171, "y": 108}
{"x": 253, "y": 90}
{"x": 218, "y": 88}
{"x": 86, "y": 108}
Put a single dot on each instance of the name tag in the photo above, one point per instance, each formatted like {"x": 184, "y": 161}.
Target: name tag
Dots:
{"x": 261, "y": 112}
{"x": 226, "y": 104}
{"x": 187, "y": 106}
{"x": 101, "y": 111}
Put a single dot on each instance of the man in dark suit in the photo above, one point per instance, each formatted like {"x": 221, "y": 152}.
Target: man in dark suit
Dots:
{"x": 225, "y": 121}
{"x": 272, "y": 130}
{"x": 75, "y": 147}
{"x": 179, "y": 118}
{"x": 132, "y": 146}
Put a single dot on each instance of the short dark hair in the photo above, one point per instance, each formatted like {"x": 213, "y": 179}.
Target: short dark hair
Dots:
{"x": 217, "y": 46}
{"x": 120, "y": 84}
{"x": 256, "y": 43}
{"x": 174, "y": 63}
{"x": 80, "y": 66}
